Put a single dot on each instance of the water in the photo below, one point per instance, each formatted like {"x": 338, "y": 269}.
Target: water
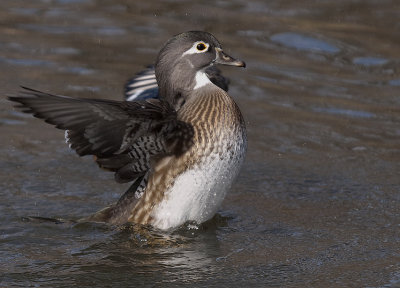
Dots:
{"x": 317, "y": 201}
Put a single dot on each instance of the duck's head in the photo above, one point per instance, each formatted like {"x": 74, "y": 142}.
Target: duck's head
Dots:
{"x": 181, "y": 64}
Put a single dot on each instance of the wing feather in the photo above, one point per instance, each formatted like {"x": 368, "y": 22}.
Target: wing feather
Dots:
{"x": 122, "y": 135}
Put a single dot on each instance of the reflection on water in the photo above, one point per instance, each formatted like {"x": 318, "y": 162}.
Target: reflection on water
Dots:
{"x": 317, "y": 201}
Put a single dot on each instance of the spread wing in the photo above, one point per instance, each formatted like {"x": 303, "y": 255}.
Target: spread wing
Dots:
{"x": 123, "y": 136}
{"x": 144, "y": 84}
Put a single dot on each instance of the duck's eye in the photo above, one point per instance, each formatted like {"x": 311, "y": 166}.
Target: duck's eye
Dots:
{"x": 201, "y": 46}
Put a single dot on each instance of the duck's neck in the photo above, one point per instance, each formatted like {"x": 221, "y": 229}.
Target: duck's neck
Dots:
{"x": 177, "y": 86}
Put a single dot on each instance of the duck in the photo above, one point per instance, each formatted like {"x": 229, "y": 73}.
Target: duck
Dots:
{"x": 178, "y": 136}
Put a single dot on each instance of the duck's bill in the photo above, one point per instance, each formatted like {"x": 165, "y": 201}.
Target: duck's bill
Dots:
{"x": 225, "y": 59}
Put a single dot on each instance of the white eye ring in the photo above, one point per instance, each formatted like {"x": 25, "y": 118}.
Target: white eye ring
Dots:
{"x": 194, "y": 49}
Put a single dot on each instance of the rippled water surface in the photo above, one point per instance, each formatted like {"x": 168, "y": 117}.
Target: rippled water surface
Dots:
{"x": 317, "y": 201}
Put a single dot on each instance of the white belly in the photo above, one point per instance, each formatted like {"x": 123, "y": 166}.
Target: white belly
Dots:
{"x": 197, "y": 193}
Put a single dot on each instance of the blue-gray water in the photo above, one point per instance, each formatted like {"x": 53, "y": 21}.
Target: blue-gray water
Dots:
{"x": 317, "y": 201}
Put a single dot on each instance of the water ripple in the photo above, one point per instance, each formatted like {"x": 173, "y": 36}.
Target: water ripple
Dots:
{"x": 370, "y": 61}
{"x": 303, "y": 42}
{"x": 345, "y": 112}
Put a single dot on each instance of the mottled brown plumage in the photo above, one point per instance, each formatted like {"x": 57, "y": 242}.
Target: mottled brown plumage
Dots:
{"x": 215, "y": 118}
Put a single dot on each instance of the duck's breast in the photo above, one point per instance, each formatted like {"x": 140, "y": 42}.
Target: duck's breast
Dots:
{"x": 212, "y": 164}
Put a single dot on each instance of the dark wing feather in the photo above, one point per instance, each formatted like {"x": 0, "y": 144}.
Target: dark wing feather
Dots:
{"x": 122, "y": 135}
{"x": 216, "y": 77}
{"x": 144, "y": 84}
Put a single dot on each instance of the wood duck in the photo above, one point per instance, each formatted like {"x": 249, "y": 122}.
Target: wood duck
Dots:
{"x": 181, "y": 139}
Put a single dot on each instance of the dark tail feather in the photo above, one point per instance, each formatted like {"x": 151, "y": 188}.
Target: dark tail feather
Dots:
{"x": 112, "y": 213}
